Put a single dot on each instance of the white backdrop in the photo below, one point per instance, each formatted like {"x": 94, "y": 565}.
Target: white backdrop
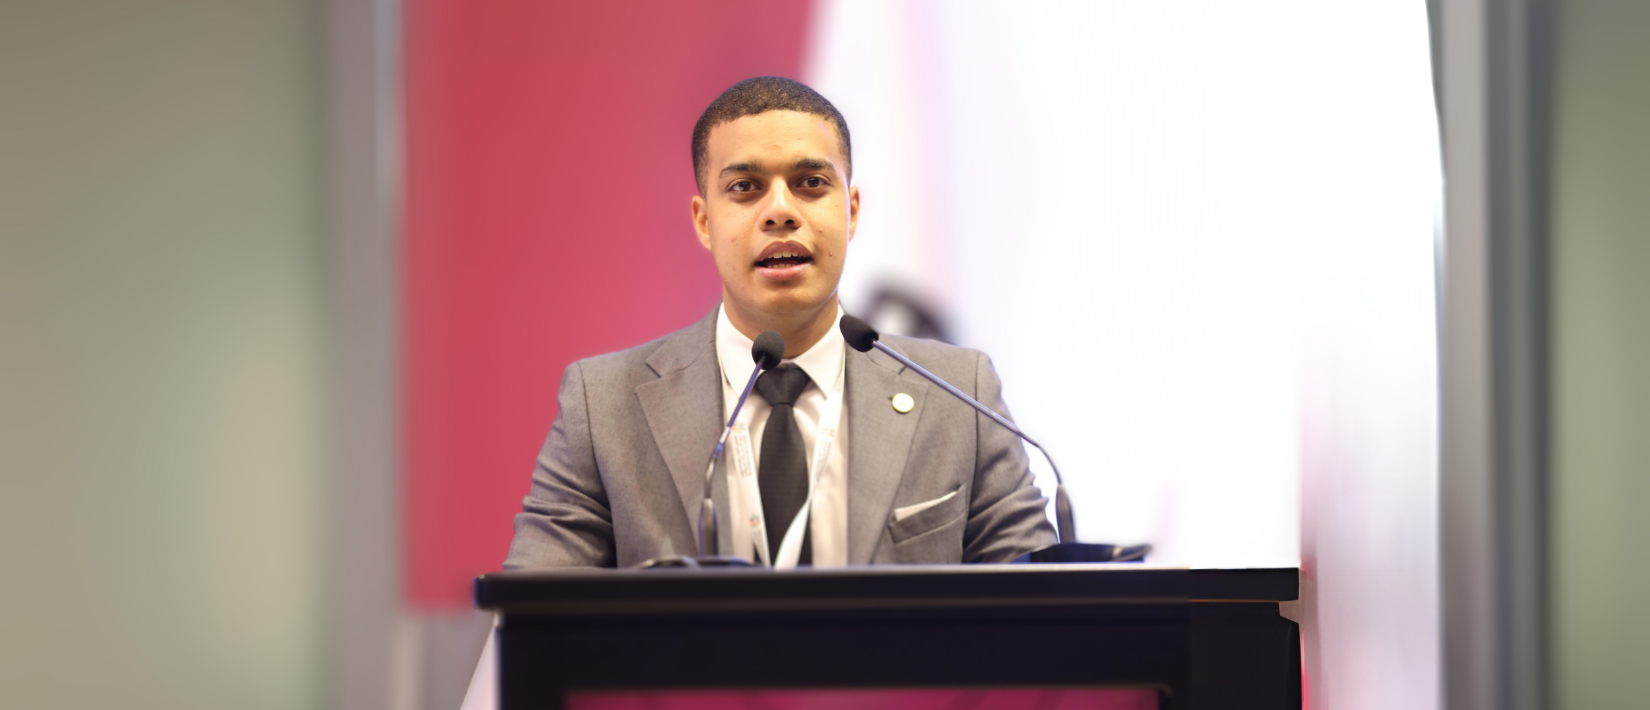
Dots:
{"x": 1197, "y": 239}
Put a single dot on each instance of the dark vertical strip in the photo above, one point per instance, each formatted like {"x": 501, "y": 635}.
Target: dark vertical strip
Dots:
{"x": 1519, "y": 58}
{"x": 1495, "y": 372}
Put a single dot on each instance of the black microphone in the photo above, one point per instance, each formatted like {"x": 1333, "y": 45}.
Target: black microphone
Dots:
{"x": 767, "y": 351}
{"x": 862, "y": 337}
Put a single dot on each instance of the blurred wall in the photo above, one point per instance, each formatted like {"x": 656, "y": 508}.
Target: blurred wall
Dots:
{"x": 1601, "y": 356}
{"x": 161, "y": 516}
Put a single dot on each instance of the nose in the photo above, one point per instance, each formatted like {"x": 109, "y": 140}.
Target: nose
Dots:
{"x": 779, "y": 211}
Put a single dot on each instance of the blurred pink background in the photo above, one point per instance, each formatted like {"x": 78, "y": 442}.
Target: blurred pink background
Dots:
{"x": 547, "y": 180}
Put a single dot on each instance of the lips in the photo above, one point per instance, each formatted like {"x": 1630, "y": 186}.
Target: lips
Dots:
{"x": 783, "y": 260}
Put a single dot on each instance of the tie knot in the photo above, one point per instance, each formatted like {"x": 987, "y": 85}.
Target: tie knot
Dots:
{"x": 782, "y": 385}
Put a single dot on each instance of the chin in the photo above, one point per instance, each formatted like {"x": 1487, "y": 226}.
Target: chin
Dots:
{"x": 792, "y": 300}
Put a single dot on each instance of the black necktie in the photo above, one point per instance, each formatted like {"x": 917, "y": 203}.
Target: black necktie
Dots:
{"x": 782, "y": 474}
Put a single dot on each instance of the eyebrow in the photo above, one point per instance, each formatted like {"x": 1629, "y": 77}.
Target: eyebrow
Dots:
{"x": 757, "y": 169}
{"x": 811, "y": 164}
{"x": 752, "y": 168}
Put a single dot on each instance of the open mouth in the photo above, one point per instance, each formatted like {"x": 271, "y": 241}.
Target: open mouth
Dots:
{"x": 784, "y": 259}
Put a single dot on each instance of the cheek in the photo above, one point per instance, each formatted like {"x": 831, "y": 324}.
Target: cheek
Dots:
{"x": 730, "y": 252}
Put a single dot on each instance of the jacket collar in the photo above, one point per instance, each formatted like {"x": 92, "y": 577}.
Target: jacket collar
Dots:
{"x": 686, "y": 347}
{"x": 683, "y": 408}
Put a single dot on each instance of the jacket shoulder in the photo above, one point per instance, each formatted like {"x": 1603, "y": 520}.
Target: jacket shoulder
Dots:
{"x": 953, "y": 363}
{"x": 632, "y": 362}
{"x": 924, "y": 351}
{"x": 619, "y": 360}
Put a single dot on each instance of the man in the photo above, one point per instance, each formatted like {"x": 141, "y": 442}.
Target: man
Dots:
{"x": 840, "y": 457}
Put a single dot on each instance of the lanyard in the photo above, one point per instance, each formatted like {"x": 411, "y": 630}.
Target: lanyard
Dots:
{"x": 745, "y": 499}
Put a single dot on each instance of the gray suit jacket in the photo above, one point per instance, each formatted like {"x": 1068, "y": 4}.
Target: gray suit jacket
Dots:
{"x": 620, "y": 477}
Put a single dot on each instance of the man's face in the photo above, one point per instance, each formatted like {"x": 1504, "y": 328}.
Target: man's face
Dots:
{"x": 777, "y": 212}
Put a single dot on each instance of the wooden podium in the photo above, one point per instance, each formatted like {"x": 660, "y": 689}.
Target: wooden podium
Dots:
{"x": 1199, "y": 638}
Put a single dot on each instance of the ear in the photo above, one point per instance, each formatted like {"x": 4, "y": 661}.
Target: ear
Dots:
{"x": 701, "y": 221}
{"x": 853, "y": 211}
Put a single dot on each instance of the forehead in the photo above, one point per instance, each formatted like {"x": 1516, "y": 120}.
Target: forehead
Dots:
{"x": 777, "y": 135}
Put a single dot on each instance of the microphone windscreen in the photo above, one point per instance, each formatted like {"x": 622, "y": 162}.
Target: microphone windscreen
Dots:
{"x": 858, "y": 333}
{"x": 768, "y": 349}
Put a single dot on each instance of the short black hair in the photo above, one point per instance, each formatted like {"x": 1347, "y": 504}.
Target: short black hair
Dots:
{"x": 760, "y": 95}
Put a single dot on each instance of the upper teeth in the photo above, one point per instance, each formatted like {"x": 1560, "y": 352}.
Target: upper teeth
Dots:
{"x": 785, "y": 255}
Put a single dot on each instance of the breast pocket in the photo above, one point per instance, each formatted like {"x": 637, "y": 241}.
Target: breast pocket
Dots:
{"x": 916, "y": 520}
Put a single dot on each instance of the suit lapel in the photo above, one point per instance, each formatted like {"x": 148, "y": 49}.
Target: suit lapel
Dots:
{"x": 879, "y": 441}
{"x": 683, "y": 408}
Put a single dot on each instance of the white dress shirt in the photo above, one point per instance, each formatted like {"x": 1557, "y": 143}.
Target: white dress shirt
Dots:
{"x": 828, "y": 518}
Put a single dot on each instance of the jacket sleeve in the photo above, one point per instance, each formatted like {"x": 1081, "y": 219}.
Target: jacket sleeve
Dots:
{"x": 1006, "y": 515}
{"x": 565, "y": 520}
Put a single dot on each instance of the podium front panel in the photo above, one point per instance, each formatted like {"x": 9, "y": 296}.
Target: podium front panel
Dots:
{"x": 1190, "y": 638}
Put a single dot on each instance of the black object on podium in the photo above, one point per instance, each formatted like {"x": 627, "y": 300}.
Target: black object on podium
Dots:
{"x": 1200, "y": 638}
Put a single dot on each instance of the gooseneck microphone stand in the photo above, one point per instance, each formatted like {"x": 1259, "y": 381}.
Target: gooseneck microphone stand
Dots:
{"x": 767, "y": 351}
{"x": 862, "y": 337}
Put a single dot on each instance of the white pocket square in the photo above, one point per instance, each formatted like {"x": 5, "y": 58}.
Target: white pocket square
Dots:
{"x": 910, "y": 510}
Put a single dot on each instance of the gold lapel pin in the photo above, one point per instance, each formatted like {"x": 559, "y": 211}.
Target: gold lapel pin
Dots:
{"x": 903, "y": 403}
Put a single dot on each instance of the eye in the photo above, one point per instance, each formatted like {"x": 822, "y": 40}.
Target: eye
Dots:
{"x": 813, "y": 181}
{"x": 742, "y": 186}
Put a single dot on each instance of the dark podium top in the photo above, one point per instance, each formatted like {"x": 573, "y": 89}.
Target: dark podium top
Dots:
{"x": 1204, "y": 638}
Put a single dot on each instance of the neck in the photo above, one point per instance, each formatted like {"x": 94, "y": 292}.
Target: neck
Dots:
{"x": 801, "y": 330}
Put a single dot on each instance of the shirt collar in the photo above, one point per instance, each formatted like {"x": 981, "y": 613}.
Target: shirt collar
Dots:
{"x": 822, "y": 362}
